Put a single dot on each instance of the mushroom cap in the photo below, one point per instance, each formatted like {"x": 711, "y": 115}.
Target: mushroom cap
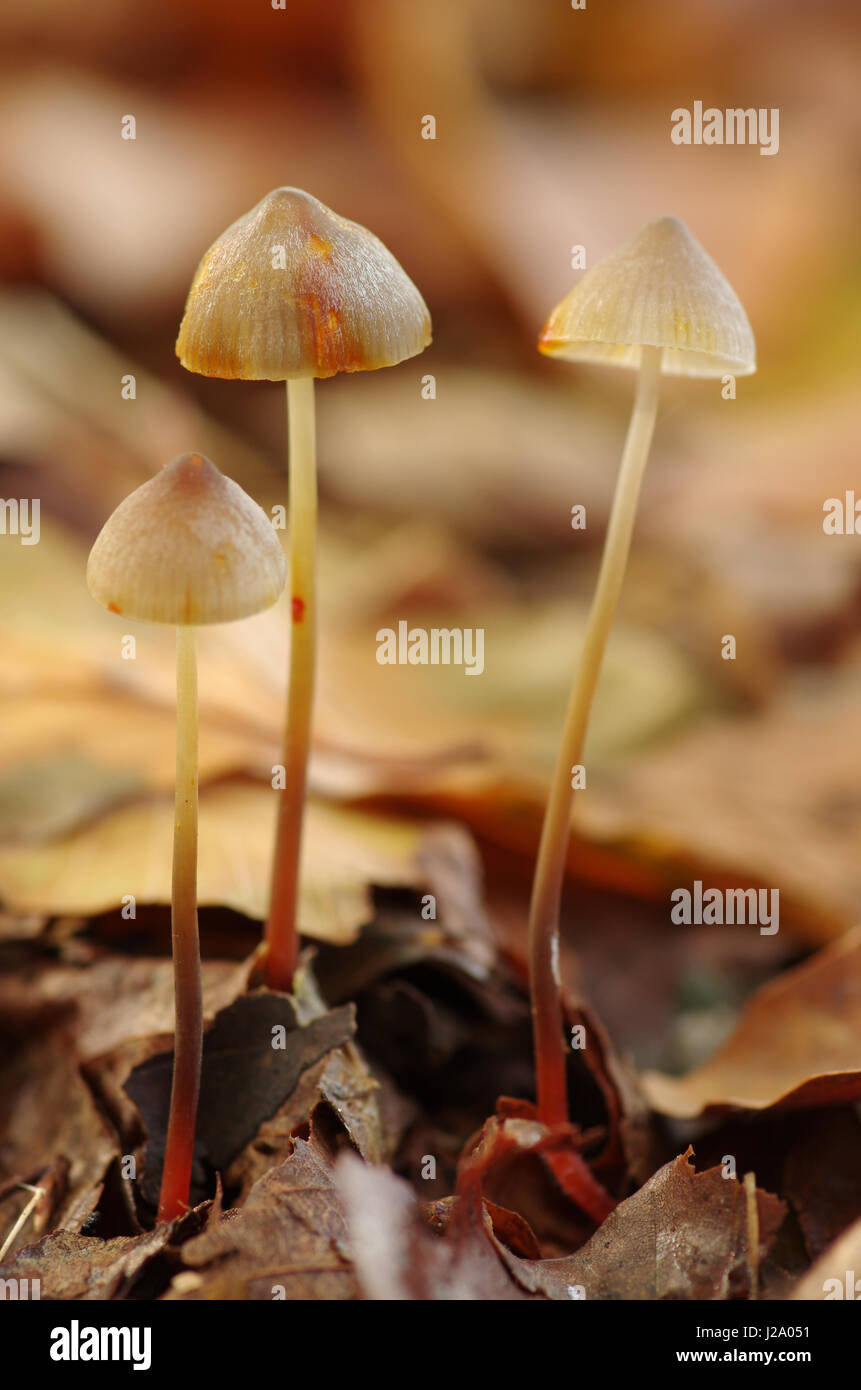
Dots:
{"x": 341, "y": 302}
{"x": 660, "y": 289}
{"x": 188, "y": 547}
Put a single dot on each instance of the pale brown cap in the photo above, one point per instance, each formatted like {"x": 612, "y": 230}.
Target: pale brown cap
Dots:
{"x": 660, "y": 289}
{"x": 341, "y": 302}
{"x": 188, "y": 547}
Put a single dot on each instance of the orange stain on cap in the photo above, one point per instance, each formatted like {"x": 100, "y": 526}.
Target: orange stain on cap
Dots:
{"x": 319, "y": 245}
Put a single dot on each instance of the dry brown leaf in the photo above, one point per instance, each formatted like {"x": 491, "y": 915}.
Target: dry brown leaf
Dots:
{"x": 106, "y": 1000}
{"x": 48, "y": 1115}
{"x": 72, "y": 1266}
{"x": 245, "y": 1079}
{"x": 682, "y": 1236}
{"x": 796, "y": 1044}
{"x": 129, "y": 852}
{"x": 287, "y": 1241}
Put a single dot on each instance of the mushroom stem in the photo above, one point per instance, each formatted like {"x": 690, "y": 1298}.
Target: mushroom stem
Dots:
{"x": 188, "y": 1036}
{"x": 281, "y": 934}
{"x": 545, "y": 982}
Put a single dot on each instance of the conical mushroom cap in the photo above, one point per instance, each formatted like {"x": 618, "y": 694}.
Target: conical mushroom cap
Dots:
{"x": 339, "y": 303}
{"x": 188, "y": 547}
{"x": 660, "y": 289}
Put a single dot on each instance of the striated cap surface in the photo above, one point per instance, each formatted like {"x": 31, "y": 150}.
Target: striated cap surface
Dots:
{"x": 187, "y": 547}
{"x": 293, "y": 290}
{"x": 660, "y": 289}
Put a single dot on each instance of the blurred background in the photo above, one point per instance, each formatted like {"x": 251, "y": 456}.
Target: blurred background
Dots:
{"x": 552, "y": 130}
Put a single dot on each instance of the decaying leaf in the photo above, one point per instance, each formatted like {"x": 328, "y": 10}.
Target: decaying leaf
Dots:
{"x": 796, "y": 1044}
{"x": 72, "y": 1266}
{"x": 289, "y": 1240}
{"x": 48, "y": 1116}
{"x": 682, "y": 1236}
{"x": 253, "y": 1057}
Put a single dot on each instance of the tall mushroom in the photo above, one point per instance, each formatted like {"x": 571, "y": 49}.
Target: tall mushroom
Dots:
{"x": 189, "y": 547}
{"x": 292, "y": 292}
{"x": 658, "y": 304}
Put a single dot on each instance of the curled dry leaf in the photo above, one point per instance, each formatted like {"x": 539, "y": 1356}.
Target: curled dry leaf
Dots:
{"x": 684, "y": 1235}
{"x": 796, "y": 1044}
{"x": 334, "y": 1094}
{"x": 508, "y": 1135}
{"x": 253, "y": 1057}
{"x": 288, "y": 1241}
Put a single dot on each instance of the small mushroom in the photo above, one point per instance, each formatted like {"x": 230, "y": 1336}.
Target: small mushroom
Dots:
{"x": 658, "y": 304}
{"x": 292, "y": 292}
{"x": 189, "y": 547}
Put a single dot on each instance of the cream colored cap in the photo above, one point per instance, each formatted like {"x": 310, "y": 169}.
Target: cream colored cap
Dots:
{"x": 294, "y": 290}
{"x": 188, "y": 547}
{"x": 660, "y": 289}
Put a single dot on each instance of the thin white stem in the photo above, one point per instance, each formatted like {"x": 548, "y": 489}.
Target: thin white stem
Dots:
{"x": 553, "y": 849}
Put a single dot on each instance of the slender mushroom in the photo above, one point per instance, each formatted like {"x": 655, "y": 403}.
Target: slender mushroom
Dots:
{"x": 658, "y": 304}
{"x": 189, "y": 547}
{"x": 290, "y": 292}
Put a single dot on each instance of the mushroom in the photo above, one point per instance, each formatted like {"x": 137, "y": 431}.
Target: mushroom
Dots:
{"x": 292, "y": 292}
{"x": 658, "y": 304}
{"x": 189, "y": 547}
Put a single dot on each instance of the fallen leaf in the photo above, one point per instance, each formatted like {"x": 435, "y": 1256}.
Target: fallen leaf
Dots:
{"x": 48, "y": 1113}
{"x": 795, "y": 1045}
{"x": 69, "y": 1266}
{"x": 422, "y": 729}
{"x": 108, "y": 999}
{"x": 344, "y": 850}
{"x": 684, "y": 1235}
{"x": 288, "y": 1241}
{"x": 253, "y": 1057}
